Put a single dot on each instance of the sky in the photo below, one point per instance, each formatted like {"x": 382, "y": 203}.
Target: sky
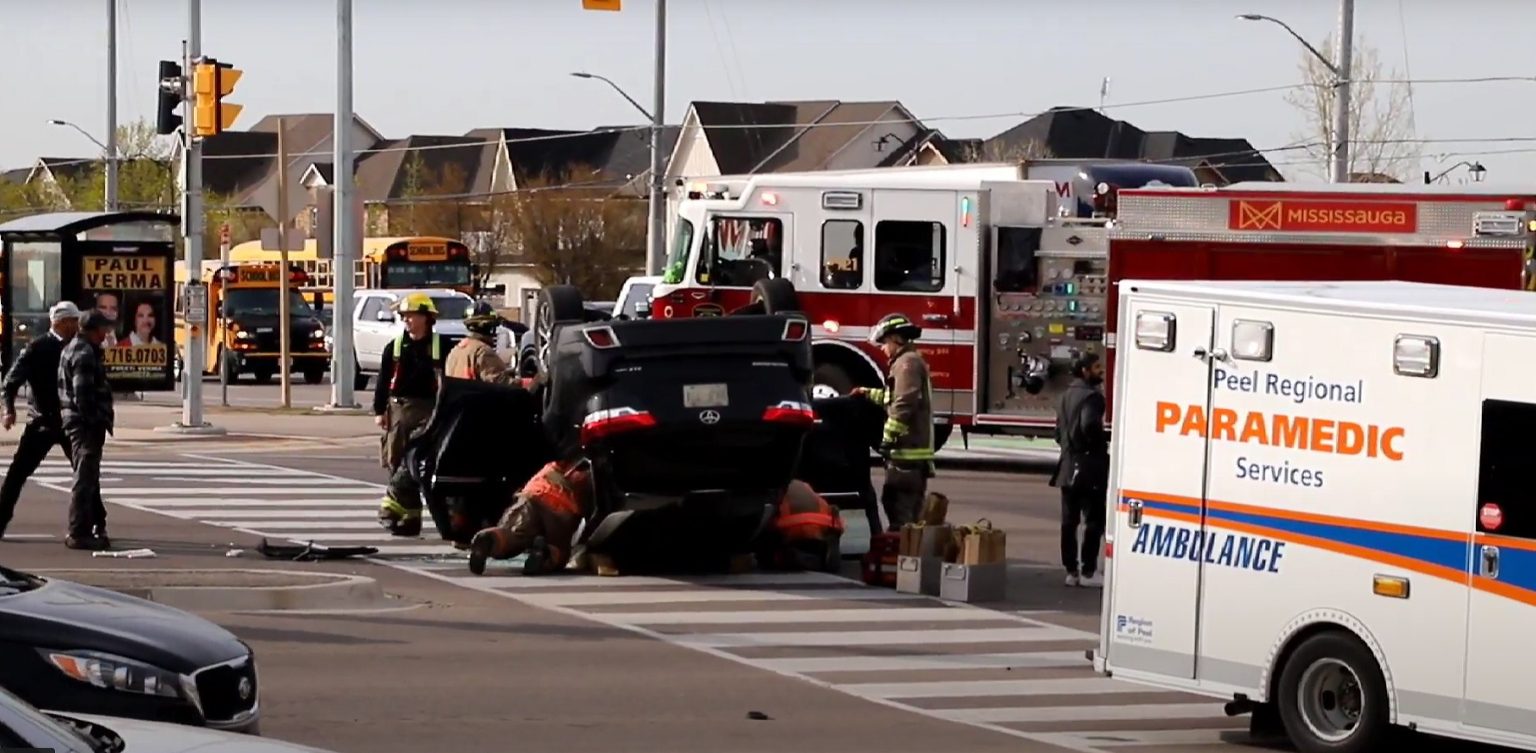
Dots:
{"x": 967, "y": 67}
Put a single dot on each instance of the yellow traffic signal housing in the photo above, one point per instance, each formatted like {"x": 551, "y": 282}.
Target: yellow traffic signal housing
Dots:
{"x": 212, "y": 81}
{"x": 600, "y": 4}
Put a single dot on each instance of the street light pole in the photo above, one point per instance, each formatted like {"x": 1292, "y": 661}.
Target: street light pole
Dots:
{"x": 345, "y": 245}
{"x": 656, "y": 233}
{"x": 1338, "y": 141}
{"x": 111, "y": 198}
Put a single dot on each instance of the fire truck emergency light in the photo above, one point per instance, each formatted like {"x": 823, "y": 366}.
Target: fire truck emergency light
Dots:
{"x": 770, "y": 199}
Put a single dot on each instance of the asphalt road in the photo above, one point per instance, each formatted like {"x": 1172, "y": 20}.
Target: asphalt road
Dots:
{"x": 631, "y": 664}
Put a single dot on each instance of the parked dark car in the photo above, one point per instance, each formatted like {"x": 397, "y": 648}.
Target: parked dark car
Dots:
{"x": 75, "y": 648}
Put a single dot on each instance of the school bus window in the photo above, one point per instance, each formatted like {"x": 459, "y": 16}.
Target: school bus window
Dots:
{"x": 842, "y": 254}
{"x": 1506, "y": 499}
{"x": 909, "y": 256}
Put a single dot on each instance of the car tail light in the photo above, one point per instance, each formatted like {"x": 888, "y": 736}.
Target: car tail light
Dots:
{"x": 791, "y": 412}
{"x": 795, "y": 329}
{"x": 602, "y": 338}
{"x": 606, "y": 423}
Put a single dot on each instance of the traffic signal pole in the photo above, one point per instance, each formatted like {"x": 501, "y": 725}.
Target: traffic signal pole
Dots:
{"x": 346, "y": 245}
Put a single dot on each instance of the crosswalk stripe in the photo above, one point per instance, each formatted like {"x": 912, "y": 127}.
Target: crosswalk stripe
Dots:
{"x": 819, "y": 664}
{"x": 876, "y": 637}
{"x": 987, "y": 688}
{"x": 231, "y": 480}
{"x": 301, "y": 525}
{"x": 873, "y": 614}
{"x": 518, "y": 582}
{"x": 154, "y": 503}
{"x": 1087, "y": 741}
{"x": 1080, "y": 713}
{"x": 263, "y": 517}
{"x": 598, "y": 598}
{"x": 188, "y": 491}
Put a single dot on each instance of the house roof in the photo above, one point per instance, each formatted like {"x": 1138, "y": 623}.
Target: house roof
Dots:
{"x": 68, "y": 168}
{"x": 419, "y": 166}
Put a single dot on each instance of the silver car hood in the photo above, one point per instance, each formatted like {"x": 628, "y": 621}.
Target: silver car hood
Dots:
{"x": 158, "y": 737}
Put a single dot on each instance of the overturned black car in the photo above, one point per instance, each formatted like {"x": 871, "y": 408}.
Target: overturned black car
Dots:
{"x": 694, "y": 429}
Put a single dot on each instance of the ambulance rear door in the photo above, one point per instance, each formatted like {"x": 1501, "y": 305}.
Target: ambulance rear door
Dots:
{"x": 1157, "y": 492}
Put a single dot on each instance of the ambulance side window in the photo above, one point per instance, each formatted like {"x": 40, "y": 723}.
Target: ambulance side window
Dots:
{"x": 842, "y": 254}
{"x": 1506, "y": 491}
{"x": 909, "y": 256}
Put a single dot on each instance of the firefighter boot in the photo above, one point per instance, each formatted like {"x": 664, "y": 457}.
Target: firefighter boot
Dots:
{"x": 539, "y": 557}
{"x": 398, "y": 520}
{"x": 489, "y": 544}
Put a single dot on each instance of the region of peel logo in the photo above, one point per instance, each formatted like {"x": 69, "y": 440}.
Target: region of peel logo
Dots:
{"x": 1130, "y": 629}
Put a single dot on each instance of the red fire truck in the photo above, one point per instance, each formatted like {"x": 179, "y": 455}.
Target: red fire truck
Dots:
{"x": 1009, "y": 281}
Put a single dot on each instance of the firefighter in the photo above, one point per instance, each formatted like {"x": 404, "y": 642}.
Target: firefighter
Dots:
{"x": 907, "y": 439}
{"x": 807, "y": 532}
{"x": 409, "y": 374}
{"x": 475, "y": 357}
{"x": 542, "y": 521}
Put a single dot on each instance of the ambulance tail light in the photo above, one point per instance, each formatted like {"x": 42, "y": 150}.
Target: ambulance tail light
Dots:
{"x": 795, "y": 330}
{"x": 790, "y": 412}
{"x": 606, "y": 423}
{"x": 1109, "y": 550}
{"x": 601, "y": 338}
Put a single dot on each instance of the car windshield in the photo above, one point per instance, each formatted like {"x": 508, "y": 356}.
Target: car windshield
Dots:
{"x": 13, "y": 709}
{"x": 452, "y": 307}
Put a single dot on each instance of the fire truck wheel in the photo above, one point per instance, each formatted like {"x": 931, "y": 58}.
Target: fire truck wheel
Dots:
{"x": 830, "y": 380}
{"x": 1332, "y": 696}
{"x": 777, "y": 295}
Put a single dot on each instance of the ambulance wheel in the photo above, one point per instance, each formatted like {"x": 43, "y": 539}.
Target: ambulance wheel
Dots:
{"x": 1332, "y": 696}
{"x": 777, "y": 296}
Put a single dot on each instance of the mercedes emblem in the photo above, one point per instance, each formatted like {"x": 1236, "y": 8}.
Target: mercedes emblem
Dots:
{"x": 710, "y": 416}
{"x": 246, "y": 689}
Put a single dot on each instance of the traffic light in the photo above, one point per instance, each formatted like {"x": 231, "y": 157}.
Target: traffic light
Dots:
{"x": 171, "y": 95}
{"x": 211, "y": 83}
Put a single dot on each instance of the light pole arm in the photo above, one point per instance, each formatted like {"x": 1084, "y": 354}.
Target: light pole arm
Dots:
{"x": 622, "y": 93}
{"x": 84, "y": 133}
{"x": 1334, "y": 69}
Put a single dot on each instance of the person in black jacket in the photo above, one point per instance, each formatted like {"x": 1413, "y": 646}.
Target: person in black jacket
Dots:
{"x": 1082, "y": 471}
{"x": 85, "y": 404}
{"x": 37, "y": 368}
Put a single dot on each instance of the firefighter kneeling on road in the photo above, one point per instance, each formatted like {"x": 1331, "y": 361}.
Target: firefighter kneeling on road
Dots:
{"x": 409, "y": 375}
{"x": 475, "y": 357}
{"x": 807, "y": 533}
{"x": 542, "y": 522}
{"x": 907, "y": 444}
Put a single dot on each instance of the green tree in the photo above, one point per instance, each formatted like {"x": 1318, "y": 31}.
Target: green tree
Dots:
{"x": 146, "y": 176}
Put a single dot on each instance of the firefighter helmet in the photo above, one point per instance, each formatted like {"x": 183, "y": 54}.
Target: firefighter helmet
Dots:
{"x": 894, "y": 324}
{"x": 483, "y": 319}
{"x": 417, "y": 303}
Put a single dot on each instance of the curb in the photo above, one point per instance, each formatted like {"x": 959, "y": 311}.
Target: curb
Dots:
{"x": 333, "y": 591}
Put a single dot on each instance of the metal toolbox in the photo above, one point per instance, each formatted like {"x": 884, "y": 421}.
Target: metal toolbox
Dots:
{"x": 918, "y": 575}
{"x": 973, "y": 583}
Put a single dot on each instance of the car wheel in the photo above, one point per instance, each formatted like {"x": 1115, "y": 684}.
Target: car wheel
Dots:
{"x": 1332, "y": 696}
{"x": 777, "y": 296}
{"x": 558, "y": 304}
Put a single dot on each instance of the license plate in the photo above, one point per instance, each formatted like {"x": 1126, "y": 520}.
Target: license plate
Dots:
{"x": 705, "y": 396}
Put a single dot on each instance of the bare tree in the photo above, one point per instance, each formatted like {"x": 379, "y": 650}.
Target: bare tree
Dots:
{"x": 1381, "y": 128}
{"x": 586, "y": 237}
{"x": 994, "y": 150}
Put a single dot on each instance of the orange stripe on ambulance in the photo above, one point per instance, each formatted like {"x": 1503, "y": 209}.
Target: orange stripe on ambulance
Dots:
{"x": 1324, "y": 435}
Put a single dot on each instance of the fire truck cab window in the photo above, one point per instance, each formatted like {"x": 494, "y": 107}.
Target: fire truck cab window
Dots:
{"x": 742, "y": 251}
{"x": 1018, "y": 270}
{"x": 909, "y": 256}
{"x": 842, "y": 254}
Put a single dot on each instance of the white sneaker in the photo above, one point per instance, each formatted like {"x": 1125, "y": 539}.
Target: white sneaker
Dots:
{"x": 1092, "y": 581}
{"x": 1073, "y": 581}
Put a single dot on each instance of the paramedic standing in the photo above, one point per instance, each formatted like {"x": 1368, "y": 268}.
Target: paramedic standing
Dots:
{"x": 1082, "y": 470}
{"x": 37, "y": 368}
{"x": 403, "y": 398}
{"x": 85, "y": 407}
{"x": 907, "y": 441}
{"x": 475, "y": 357}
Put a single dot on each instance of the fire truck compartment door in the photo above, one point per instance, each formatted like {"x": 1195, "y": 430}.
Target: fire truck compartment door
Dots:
{"x": 1158, "y": 497}
{"x": 912, "y": 271}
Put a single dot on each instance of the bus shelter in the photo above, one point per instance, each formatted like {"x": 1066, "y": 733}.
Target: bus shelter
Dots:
{"x": 119, "y": 263}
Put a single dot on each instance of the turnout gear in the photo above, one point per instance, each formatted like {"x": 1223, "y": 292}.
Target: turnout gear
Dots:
{"x": 407, "y": 397}
{"x": 807, "y": 531}
{"x": 542, "y": 521}
{"x": 907, "y": 438}
{"x": 475, "y": 358}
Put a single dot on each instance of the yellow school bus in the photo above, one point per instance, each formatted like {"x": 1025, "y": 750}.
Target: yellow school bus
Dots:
{"x": 242, "y": 330}
{"x": 395, "y": 262}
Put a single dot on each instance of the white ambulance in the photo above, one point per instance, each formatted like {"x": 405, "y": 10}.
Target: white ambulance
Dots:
{"x": 1323, "y": 506}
